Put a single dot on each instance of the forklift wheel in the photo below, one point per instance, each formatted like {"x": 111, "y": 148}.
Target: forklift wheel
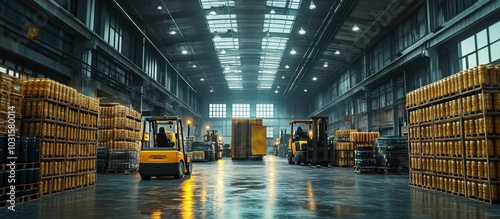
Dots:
{"x": 189, "y": 168}
{"x": 180, "y": 170}
{"x": 290, "y": 161}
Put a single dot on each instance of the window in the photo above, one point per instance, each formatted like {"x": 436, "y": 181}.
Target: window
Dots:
{"x": 265, "y": 110}
{"x": 241, "y": 110}
{"x": 217, "y": 110}
{"x": 270, "y": 133}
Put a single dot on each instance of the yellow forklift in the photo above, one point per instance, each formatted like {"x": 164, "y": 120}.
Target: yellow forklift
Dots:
{"x": 163, "y": 150}
{"x": 310, "y": 146}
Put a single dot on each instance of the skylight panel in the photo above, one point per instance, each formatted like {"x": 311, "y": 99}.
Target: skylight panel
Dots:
{"x": 207, "y": 4}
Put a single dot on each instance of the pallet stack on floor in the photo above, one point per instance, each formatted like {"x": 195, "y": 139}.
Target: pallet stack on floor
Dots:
{"x": 120, "y": 131}
{"x": 344, "y": 148}
{"x": 392, "y": 153}
{"x": 66, "y": 123}
{"x": 26, "y": 175}
{"x": 241, "y": 141}
{"x": 365, "y": 155}
{"x": 454, "y": 134}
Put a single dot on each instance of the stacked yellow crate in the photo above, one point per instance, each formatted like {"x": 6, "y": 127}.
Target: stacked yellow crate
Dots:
{"x": 10, "y": 101}
{"x": 120, "y": 130}
{"x": 66, "y": 123}
{"x": 344, "y": 148}
{"x": 454, "y": 134}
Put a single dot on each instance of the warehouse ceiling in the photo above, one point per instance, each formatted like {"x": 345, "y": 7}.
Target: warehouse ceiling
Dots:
{"x": 258, "y": 49}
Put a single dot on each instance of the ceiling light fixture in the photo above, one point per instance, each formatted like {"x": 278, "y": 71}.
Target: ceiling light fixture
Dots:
{"x": 223, "y": 52}
{"x": 202, "y": 79}
{"x": 272, "y": 11}
{"x": 159, "y": 7}
{"x": 276, "y": 91}
{"x": 302, "y": 31}
{"x": 278, "y": 87}
{"x": 305, "y": 90}
{"x": 227, "y": 68}
{"x": 184, "y": 52}
{"x": 173, "y": 32}
{"x": 315, "y": 78}
{"x": 355, "y": 28}
{"x": 282, "y": 77}
{"x": 194, "y": 66}
{"x": 312, "y": 5}
{"x": 286, "y": 66}
{"x": 213, "y": 13}
{"x": 216, "y": 37}
{"x": 325, "y": 65}
{"x": 211, "y": 91}
{"x": 337, "y": 52}
{"x": 293, "y": 52}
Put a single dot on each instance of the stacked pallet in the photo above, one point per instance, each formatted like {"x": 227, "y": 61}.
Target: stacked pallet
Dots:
{"x": 26, "y": 174}
{"x": 102, "y": 159}
{"x": 241, "y": 141}
{"x": 454, "y": 134}
{"x": 120, "y": 131}
{"x": 365, "y": 155}
{"x": 10, "y": 102}
{"x": 66, "y": 123}
{"x": 344, "y": 148}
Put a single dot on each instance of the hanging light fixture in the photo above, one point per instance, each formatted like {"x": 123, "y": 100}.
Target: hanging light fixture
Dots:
{"x": 202, "y": 79}
{"x": 302, "y": 31}
{"x": 355, "y": 28}
{"x": 184, "y": 52}
{"x": 159, "y": 7}
{"x": 194, "y": 66}
{"x": 272, "y": 11}
{"x": 227, "y": 68}
{"x": 305, "y": 90}
{"x": 325, "y": 65}
{"x": 172, "y": 32}
{"x": 286, "y": 66}
{"x": 213, "y": 12}
{"x": 315, "y": 78}
{"x": 223, "y": 52}
{"x": 337, "y": 52}
{"x": 211, "y": 91}
{"x": 282, "y": 77}
{"x": 312, "y": 5}
{"x": 293, "y": 52}
{"x": 276, "y": 91}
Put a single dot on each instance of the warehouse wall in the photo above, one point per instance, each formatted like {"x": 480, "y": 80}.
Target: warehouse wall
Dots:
{"x": 428, "y": 44}
{"x": 91, "y": 46}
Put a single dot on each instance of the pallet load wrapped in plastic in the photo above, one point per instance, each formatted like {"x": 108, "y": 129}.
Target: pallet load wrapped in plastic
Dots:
{"x": 344, "y": 148}
{"x": 392, "y": 153}
{"x": 243, "y": 145}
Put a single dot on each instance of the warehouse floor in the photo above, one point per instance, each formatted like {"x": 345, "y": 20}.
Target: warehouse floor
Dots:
{"x": 254, "y": 189}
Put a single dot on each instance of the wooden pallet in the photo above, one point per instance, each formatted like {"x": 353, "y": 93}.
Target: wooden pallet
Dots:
{"x": 371, "y": 169}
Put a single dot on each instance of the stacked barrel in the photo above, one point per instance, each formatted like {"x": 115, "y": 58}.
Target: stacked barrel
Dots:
{"x": 120, "y": 131}
{"x": 454, "y": 134}
{"x": 65, "y": 121}
{"x": 364, "y": 144}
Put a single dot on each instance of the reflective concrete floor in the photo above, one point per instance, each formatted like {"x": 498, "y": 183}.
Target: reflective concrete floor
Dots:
{"x": 254, "y": 189}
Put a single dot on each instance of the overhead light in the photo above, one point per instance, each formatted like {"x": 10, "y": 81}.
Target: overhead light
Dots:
{"x": 211, "y": 91}
{"x": 272, "y": 11}
{"x": 278, "y": 86}
{"x": 194, "y": 66}
{"x": 227, "y": 68}
{"x": 302, "y": 31}
{"x": 202, "y": 79}
{"x": 337, "y": 52}
{"x": 286, "y": 66}
{"x": 184, "y": 52}
{"x": 305, "y": 90}
{"x": 223, "y": 52}
{"x": 213, "y": 13}
{"x": 282, "y": 77}
{"x": 276, "y": 91}
{"x": 159, "y": 7}
{"x": 355, "y": 28}
{"x": 325, "y": 65}
{"x": 173, "y": 32}
{"x": 315, "y": 78}
{"x": 293, "y": 52}
{"x": 239, "y": 71}
{"x": 312, "y": 5}
{"x": 216, "y": 37}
